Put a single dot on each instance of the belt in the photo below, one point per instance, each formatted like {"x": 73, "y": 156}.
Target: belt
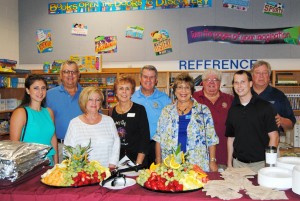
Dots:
{"x": 246, "y": 161}
{"x": 60, "y": 141}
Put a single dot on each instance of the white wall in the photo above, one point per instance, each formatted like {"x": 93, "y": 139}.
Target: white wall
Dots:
{"x": 9, "y": 34}
{"x": 33, "y": 15}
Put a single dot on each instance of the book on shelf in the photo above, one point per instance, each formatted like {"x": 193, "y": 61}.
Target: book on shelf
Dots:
{"x": 286, "y": 78}
{"x": 198, "y": 80}
{"x": 22, "y": 71}
{"x": 294, "y": 100}
{"x": 8, "y": 61}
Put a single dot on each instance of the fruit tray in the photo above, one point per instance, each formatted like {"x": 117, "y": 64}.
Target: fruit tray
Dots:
{"x": 168, "y": 191}
{"x": 72, "y": 186}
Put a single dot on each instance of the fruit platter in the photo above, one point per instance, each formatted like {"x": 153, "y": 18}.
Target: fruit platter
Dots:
{"x": 76, "y": 170}
{"x": 175, "y": 174}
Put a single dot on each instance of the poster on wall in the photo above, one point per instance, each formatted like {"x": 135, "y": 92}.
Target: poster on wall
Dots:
{"x": 285, "y": 35}
{"x": 241, "y": 5}
{"x": 105, "y": 44}
{"x": 161, "y": 42}
{"x": 122, "y": 5}
{"x": 135, "y": 32}
{"x": 79, "y": 29}
{"x": 88, "y": 63}
{"x": 273, "y": 8}
{"x": 44, "y": 41}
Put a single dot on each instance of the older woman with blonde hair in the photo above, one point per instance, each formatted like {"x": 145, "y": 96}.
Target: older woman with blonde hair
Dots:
{"x": 188, "y": 123}
{"x": 99, "y": 128}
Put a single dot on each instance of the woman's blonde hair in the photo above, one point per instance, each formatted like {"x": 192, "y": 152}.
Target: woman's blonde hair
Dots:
{"x": 85, "y": 94}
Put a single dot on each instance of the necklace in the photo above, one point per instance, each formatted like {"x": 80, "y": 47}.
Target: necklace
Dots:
{"x": 182, "y": 111}
{"x": 126, "y": 109}
{"x": 185, "y": 109}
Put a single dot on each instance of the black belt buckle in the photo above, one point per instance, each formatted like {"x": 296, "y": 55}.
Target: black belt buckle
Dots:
{"x": 60, "y": 141}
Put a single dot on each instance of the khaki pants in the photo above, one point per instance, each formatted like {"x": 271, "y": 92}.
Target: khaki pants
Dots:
{"x": 60, "y": 152}
{"x": 253, "y": 166}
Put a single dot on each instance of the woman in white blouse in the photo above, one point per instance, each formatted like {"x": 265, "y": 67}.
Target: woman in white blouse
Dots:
{"x": 99, "y": 128}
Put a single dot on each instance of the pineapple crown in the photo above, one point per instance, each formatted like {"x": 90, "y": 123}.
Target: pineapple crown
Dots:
{"x": 180, "y": 156}
{"x": 77, "y": 154}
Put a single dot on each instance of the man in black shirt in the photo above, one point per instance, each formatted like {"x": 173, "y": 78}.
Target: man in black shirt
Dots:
{"x": 250, "y": 126}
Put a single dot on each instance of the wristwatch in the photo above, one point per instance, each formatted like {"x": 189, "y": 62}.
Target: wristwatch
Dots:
{"x": 213, "y": 160}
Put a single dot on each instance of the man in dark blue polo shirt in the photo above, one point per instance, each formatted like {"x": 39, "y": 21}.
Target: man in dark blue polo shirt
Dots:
{"x": 261, "y": 72}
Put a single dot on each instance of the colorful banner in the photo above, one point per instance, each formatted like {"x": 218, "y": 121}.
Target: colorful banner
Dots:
{"x": 242, "y": 5}
{"x": 273, "y": 8}
{"x": 123, "y": 5}
{"x": 161, "y": 42}
{"x": 44, "y": 41}
{"x": 79, "y": 29}
{"x": 105, "y": 44}
{"x": 135, "y": 32}
{"x": 286, "y": 35}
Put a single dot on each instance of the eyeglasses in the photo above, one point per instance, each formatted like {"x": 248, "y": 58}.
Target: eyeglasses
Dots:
{"x": 212, "y": 80}
{"x": 72, "y": 72}
{"x": 183, "y": 88}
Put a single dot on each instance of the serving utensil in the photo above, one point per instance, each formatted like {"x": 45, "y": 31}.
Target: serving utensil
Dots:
{"x": 117, "y": 174}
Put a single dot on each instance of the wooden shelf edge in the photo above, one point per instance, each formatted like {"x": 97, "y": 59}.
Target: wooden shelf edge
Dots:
{"x": 6, "y": 111}
{"x": 296, "y": 112}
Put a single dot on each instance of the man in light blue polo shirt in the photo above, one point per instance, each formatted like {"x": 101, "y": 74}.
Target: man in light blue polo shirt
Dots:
{"x": 63, "y": 100}
{"x": 153, "y": 100}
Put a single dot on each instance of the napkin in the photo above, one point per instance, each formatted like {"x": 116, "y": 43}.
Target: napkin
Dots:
{"x": 236, "y": 179}
{"x": 125, "y": 162}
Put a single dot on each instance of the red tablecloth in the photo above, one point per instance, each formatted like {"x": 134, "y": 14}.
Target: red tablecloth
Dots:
{"x": 33, "y": 189}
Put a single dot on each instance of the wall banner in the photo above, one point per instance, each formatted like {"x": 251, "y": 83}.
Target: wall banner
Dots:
{"x": 123, "y": 5}
{"x": 286, "y": 35}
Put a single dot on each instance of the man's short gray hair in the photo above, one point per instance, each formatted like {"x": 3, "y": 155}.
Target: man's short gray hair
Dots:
{"x": 149, "y": 67}
{"x": 260, "y": 63}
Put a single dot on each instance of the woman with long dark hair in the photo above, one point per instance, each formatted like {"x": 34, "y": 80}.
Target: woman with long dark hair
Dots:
{"x": 31, "y": 121}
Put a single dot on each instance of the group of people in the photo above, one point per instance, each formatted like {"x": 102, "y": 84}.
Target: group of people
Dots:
{"x": 215, "y": 128}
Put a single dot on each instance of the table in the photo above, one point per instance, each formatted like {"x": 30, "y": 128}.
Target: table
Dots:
{"x": 33, "y": 189}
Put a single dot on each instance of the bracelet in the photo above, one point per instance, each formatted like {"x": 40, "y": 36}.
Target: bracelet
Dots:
{"x": 213, "y": 160}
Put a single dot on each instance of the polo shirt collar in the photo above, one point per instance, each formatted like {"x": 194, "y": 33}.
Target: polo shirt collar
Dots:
{"x": 267, "y": 90}
{"x": 62, "y": 88}
{"x": 252, "y": 100}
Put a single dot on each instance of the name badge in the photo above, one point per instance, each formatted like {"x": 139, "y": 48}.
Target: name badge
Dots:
{"x": 187, "y": 116}
{"x": 130, "y": 114}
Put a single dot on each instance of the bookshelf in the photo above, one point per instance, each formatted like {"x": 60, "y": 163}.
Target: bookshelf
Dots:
{"x": 288, "y": 81}
{"x": 12, "y": 90}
